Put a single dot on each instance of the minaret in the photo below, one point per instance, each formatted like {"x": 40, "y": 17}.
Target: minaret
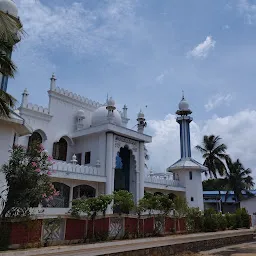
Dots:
{"x": 10, "y": 8}
{"x": 53, "y": 82}
{"x": 187, "y": 171}
{"x": 184, "y": 120}
{"x": 24, "y": 101}
{"x": 110, "y": 108}
{"x": 141, "y": 122}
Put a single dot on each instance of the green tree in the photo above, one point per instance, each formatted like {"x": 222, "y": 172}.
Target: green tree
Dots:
{"x": 123, "y": 201}
{"x": 214, "y": 153}
{"x": 28, "y": 182}
{"x": 239, "y": 179}
{"x": 215, "y": 184}
{"x": 180, "y": 208}
{"x": 10, "y": 33}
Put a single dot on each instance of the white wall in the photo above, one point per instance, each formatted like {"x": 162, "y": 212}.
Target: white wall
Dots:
{"x": 249, "y": 205}
{"x": 6, "y": 142}
{"x": 194, "y": 188}
{"x": 94, "y": 144}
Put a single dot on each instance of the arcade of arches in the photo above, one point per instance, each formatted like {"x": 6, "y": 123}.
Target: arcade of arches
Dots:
{"x": 63, "y": 199}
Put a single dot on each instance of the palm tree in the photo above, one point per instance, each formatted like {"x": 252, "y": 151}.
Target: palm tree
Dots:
{"x": 10, "y": 34}
{"x": 214, "y": 153}
{"x": 239, "y": 179}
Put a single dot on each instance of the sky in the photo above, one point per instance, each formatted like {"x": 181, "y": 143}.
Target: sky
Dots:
{"x": 144, "y": 53}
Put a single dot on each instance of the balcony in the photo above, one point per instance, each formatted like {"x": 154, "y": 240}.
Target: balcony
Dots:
{"x": 61, "y": 169}
{"x": 162, "y": 181}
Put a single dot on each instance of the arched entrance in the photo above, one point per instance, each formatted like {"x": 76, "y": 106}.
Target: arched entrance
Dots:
{"x": 125, "y": 171}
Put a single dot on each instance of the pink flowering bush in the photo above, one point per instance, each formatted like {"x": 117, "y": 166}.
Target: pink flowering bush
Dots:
{"x": 27, "y": 175}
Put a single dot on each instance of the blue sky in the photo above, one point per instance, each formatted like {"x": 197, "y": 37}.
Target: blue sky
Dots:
{"x": 145, "y": 53}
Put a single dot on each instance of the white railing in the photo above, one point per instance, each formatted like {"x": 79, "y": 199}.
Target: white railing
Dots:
{"x": 62, "y": 166}
{"x": 162, "y": 181}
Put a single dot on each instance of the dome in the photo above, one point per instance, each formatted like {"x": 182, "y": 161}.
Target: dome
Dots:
{"x": 141, "y": 115}
{"x": 100, "y": 116}
{"x": 183, "y": 105}
{"x": 8, "y": 6}
{"x": 80, "y": 113}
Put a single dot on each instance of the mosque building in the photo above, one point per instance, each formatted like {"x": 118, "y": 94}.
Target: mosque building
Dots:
{"x": 94, "y": 150}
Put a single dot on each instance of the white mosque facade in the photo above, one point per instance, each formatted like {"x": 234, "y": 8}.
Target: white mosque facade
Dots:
{"x": 94, "y": 151}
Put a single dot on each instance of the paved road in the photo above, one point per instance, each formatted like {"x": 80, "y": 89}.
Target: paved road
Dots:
{"x": 246, "y": 249}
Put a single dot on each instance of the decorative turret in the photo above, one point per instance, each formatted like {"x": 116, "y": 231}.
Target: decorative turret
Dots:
{"x": 53, "y": 82}
{"x": 24, "y": 101}
{"x": 110, "y": 108}
{"x": 125, "y": 111}
{"x": 184, "y": 120}
{"x": 80, "y": 116}
{"x": 141, "y": 122}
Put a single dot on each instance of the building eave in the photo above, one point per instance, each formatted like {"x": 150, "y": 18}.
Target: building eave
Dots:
{"x": 187, "y": 163}
{"x": 18, "y": 124}
{"x": 119, "y": 130}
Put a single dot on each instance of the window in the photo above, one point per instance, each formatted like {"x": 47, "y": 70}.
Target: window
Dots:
{"x": 83, "y": 191}
{"x": 87, "y": 158}
{"x": 190, "y": 175}
{"x": 35, "y": 137}
{"x": 60, "y": 149}
{"x": 79, "y": 158}
{"x": 192, "y": 199}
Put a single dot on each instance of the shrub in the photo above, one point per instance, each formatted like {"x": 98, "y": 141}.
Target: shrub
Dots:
{"x": 244, "y": 218}
{"x": 123, "y": 201}
{"x": 194, "y": 221}
{"x": 221, "y": 221}
{"x": 210, "y": 221}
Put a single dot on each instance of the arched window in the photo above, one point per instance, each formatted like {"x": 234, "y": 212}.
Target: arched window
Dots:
{"x": 60, "y": 149}
{"x": 83, "y": 191}
{"x": 35, "y": 137}
{"x": 60, "y": 201}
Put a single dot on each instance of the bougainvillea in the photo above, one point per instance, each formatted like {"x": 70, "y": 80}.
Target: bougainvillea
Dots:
{"x": 27, "y": 177}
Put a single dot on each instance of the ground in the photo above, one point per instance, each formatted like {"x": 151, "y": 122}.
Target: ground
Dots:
{"x": 246, "y": 249}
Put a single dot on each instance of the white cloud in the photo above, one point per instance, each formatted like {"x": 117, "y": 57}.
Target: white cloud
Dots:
{"x": 248, "y": 10}
{"x": 77, "y": 27}
{"x": 237, "y": 132}
{"x": 217, "y": 100}
{"x": 202, "y": 50}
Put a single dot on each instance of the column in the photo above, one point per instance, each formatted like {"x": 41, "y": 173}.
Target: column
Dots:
{"x": 109, "y": 168}
{"x": 71, "y": 195}
{"x": 141, "y": 168}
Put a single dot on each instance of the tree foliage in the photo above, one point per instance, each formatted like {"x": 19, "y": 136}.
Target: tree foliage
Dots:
{"x": 91, "y": 206}
{"x": 214, "y": 154}
{"x": 239, "y": 179}
{"x": 28, "y": 182}
{"x": 123, "y": 201}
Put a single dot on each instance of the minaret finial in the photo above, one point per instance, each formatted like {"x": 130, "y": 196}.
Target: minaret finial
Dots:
{"x": 183, "y": 95}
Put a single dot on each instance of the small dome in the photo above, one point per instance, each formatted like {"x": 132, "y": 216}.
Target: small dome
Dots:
{"x": 80, "y": 113}
{"x": 100, "y": 116}
{"x": 141, "y": 115}
{"x": 183, "y": 105}
{"x": 8, "y": 6}
{"x": 111, "y": 102}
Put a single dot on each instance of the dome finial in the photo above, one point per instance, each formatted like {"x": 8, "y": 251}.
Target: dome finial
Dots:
{"x": 183, "y": 95}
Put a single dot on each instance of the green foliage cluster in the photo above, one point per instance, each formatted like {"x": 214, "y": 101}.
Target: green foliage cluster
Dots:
{"x": 91, "y": 206}
{"x": 210, "y": 221}
{"x": 123, "y": 201}
{"x": 28, "y": 182}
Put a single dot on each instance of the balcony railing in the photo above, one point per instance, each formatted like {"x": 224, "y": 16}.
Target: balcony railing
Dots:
{"x": 70, "y": 168}
{"x": 162, "y": 181}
